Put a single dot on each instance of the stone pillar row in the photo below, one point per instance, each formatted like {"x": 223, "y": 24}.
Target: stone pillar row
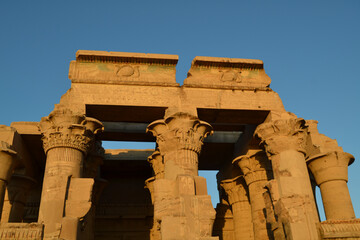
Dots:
{"x": 66, "y": 195}
{"x": 182, "y": 208}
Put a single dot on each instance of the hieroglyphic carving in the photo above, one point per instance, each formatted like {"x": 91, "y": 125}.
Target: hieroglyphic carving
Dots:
{"x": 24, "y": 231}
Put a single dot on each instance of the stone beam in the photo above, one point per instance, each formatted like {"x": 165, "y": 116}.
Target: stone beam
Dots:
{"x": 228, "y": 73}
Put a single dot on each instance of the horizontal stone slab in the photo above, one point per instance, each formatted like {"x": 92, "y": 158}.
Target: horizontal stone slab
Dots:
{"x": 233, "y": 73}
{"x": 123, "y": 68}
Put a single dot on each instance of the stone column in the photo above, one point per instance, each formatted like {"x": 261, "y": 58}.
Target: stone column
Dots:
{"x": 284, "y": 141}
{"x": 237, "y": 193}
{"x": 7, "y": 163}
{"x": 257, "y": 170}
{"x": 180, "y": 138}
{"x": 330, "y": 171}
{"x": 15, "y": 198}
{"x": 180, "y": 197}
{"x": 67, "y": 137}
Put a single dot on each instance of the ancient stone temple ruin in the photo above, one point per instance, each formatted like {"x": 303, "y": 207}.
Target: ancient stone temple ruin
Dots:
{"x": 58, "y": 182}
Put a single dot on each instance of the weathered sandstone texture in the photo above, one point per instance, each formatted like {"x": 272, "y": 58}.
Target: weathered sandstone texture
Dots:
{"x": 58, "y": 182}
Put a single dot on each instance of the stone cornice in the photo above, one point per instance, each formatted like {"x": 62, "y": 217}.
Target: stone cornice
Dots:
{"x": 180, "y": 131}
{"x": 62, "y": 128}
{"x": 283, "y": 134}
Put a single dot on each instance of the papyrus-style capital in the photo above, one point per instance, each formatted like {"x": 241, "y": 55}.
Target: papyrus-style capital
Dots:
{"x": 330, "y": 166}
{"x": 255, "y": 167}
{"x": 235, "y": 189}
{"x": 284, "y": 134}
{"x": 157, "y": 163}
{"x": 63, "y": 128}
{"x": 180, "y": 131}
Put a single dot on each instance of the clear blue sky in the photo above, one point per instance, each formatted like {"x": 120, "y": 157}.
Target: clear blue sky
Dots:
{"x": 310, "y": 50}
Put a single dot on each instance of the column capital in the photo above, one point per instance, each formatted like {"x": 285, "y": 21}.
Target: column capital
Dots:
{"x": 255, "y": 167}
{"x": 63, "y": 128}
{"x": 179, "y": 131}
{"x": 330, "y": 166}
{"x": 157, "y": 163}
{"x": 236, "y": 189}
{"x": 283, "y": 134}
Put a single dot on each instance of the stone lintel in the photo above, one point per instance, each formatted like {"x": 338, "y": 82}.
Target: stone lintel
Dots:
{"x": 234, "y": 73}
{"x": 102, "y": 67}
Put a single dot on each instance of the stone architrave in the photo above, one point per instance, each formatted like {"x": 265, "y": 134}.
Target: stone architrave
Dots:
{"x": 16, "y": 196}
{"x": 67, "y": 137}
{"x": 285, "y": 142}
{"x": 179, "y": 196}
{"x": 238, "y": 197}
{"x": 330, "y": 171}
{"x": 7, "y": 163}
{"x": 257, "y": 171}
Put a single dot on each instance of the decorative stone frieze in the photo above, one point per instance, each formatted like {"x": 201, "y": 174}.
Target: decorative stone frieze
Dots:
{"x": 238, "y": 197}
{"x": 330, "y": 171}
{"x": 257, "y": 170}
{"x": 340, "y": 229}
{"x": 24, "y": 231}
